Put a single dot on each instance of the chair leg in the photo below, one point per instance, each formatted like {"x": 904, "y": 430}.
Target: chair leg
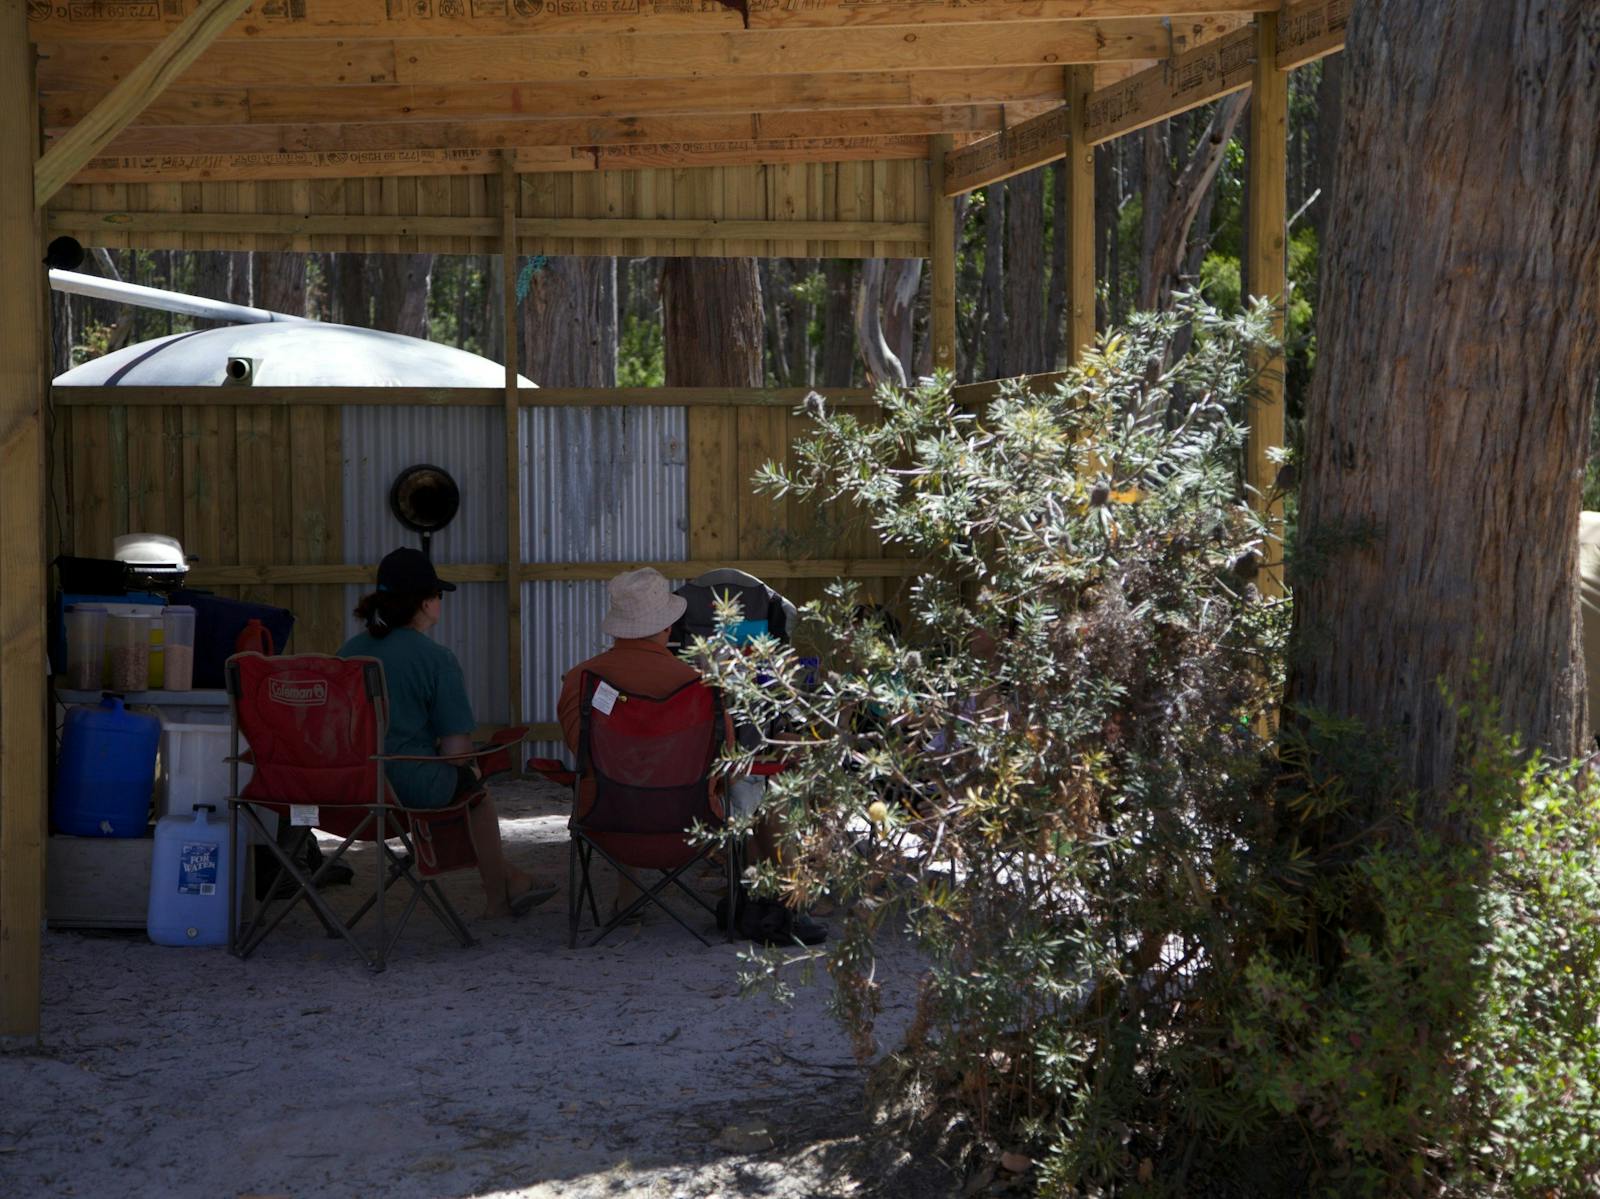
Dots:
{"x": 735, "y": 871}
{"x": 574, "y": 900}
{"x": 647, "y": 895}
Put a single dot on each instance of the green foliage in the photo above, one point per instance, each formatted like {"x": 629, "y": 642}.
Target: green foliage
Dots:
{"x": 1054, "y": 771}
{"x": 641, "y": 354}
{"x": 1432, "y": 1016}
{"x": 1164, "y": 956}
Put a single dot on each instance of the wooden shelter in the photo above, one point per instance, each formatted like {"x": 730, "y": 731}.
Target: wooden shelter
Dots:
{"x": 822, "y": 128}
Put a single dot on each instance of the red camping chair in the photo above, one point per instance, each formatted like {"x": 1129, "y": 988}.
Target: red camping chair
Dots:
{"x": 650, "y": 760}
{"x": 315, "y": 726}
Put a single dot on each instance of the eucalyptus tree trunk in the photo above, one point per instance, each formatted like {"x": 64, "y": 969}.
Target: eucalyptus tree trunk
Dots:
{"x": 837, "y": 365}
{"x": 1055, "y": 318}
{"x": 1459, "y": 327}
{"x": 711, "y": 322}
{"x": 569, "y": 323}
{"x": 1025, "y": 347}
{"x": 349, "y": 296}
{"x": 1167, "y": 253}
{"x": 993, "y": 302}
{"x": 213, "y": 278}
{"x": 404, "y": 284}
{"x": 883, "y": 366}
{"x": 280, "y": 282}
{"x": 902, "y": 280}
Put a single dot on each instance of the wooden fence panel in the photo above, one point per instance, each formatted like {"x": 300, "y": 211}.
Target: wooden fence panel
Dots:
{"x": 254, "y": 491}
{"x": 173, "y": 215}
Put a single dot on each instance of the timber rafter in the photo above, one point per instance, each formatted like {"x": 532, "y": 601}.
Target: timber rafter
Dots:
{"x": 347, "y": 88}
{"x": 1208, "y": 72}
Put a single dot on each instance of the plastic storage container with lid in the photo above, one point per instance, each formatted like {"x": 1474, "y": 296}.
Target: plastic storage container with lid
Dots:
{"x": 86, "y": 647}
{"x": 128, "y": 652}
{"x": 107, "y": 771}
{"x": 191, "y": 880}
{"x": 177, "y": 650}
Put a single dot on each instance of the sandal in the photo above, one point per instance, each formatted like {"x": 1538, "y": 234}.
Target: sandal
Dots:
{"x": 521, "y": 905}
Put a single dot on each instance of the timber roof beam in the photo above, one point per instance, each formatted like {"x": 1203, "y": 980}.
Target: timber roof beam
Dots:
{"x": 364, "y": 20}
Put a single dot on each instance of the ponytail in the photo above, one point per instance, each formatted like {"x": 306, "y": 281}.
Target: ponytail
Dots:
{"x": 385, "y": 611}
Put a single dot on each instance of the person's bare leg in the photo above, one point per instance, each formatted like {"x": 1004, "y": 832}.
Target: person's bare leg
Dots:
{"x": 501, "y": 880}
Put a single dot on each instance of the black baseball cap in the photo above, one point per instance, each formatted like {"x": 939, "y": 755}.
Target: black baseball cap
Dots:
{"x": 406, "y": 569}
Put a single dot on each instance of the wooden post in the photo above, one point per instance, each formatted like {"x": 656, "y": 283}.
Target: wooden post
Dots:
{"x": 1266, "y": 268}
{"x": 941, "y": 258}
{"x": 22, "y": 521}
{"x": 1080, "y": 214}
{"x": 509, "y": 186}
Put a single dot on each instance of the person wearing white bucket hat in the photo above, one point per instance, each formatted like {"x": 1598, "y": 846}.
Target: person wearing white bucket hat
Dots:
{"x": 641, "y": 605}
{"x": 641, "y": 610}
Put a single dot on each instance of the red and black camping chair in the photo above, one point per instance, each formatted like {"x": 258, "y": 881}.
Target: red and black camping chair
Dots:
{"x": 315, "y": 728}
{"x": 649, "y": 759}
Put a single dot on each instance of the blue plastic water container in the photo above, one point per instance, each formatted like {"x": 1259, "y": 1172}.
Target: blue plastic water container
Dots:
{"x": 107, "y": 771}
{"x": 191, "y": 879}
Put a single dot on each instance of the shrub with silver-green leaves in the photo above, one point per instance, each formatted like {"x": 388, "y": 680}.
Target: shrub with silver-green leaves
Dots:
{"x": 1051, "y": 768}
{"x": 1165, "y": 957}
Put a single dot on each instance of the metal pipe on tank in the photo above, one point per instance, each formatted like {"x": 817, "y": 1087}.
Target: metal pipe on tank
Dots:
{"x": 76, "y": 284}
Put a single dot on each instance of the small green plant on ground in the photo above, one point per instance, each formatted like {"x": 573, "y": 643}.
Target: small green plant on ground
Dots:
{"x": 1165, "y": 958}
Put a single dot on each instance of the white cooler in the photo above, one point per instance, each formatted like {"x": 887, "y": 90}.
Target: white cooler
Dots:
{"x": 193, "y": 766}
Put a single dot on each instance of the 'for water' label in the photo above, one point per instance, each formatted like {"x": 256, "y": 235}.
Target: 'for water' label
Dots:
{"x": 197, "y": 868}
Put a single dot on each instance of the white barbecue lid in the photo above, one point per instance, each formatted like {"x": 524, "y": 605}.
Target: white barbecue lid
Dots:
{"x": 149, "y": 549}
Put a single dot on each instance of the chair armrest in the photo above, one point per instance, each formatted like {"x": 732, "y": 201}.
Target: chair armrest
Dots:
{"x": 476, "y": 753}
{"x": 500, "y": 743}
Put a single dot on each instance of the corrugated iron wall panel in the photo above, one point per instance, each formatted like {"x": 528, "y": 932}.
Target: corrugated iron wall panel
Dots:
{"x": 601, "y": 485}
{"x": 379, "y": 442}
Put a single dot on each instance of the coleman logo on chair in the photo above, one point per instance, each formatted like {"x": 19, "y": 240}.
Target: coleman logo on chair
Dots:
{"x": 308, "y": 694}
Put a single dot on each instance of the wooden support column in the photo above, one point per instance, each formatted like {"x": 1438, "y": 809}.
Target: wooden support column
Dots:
{"x": 941, "y": 258}
{"x": 1080, "y": 214}
{"x": 23, "y": 380}
{"x": 509, "y": 186}
{"x": 1266, "y": 268}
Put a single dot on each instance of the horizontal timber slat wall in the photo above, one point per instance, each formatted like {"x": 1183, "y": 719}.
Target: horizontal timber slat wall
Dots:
{"x": 832, "y": 209}
{"x": 254, "y": 490}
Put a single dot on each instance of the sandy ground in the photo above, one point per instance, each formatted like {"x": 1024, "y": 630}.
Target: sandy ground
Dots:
{"x": 513, "y": 1068}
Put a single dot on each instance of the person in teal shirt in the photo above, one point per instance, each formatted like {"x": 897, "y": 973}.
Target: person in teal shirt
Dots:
{"x": 430, "y": 716}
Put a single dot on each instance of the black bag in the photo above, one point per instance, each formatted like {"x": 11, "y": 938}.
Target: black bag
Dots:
{"x": 763, "y": 920}
{"x": 217, "y": 625}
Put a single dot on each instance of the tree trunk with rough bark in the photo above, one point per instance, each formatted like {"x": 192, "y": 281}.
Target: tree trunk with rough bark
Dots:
{"x": 280, "y": 282}
{"x": 1166, "y": 257}
{"x": 1155, "y": 191}
{"x": 569, "y": 323}
{"x": 404, "y": 281}
{"x": 797, "y": 333}
{"x": 711, "y": 322}
{"x": 837, "y": 366}
{"x": 994, "y": 258}
{"x": 349, "y": 295}
{"x": 213, "y": 279}
{"x": 1330, "y": 106}
{"x": 1459, "y": 327}
{"x": 771, "y": 274}
{"x": 1024, "y": 276}
{"x": 1055, "y": 318}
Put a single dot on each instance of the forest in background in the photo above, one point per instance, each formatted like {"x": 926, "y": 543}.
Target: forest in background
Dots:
{"x": 1168, "y": 216}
